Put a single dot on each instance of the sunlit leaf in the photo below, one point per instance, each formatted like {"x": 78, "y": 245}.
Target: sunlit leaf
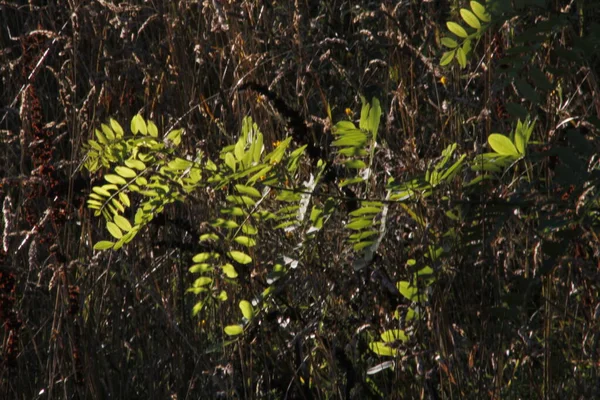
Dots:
{"x": 103, "y": 245}
{"x": 356, "y": 164}
{"x": 359, "y": 224}
{"x": 201, "y": 268}
{"x": 449, "y": 42}
{"x": 124, "y": 199}
{"x": 393, "y": 335}
{"x": 202, "y": 281}
{"x": 480, "y": 11}
{"x": 250, "y": 191}
{"x": 101, "y": 191}
{"x": 247, "y": 309}
{"x": 125, "y": 172}
{"x": 138, "y": 125}
{"x": 101, "y": 138}
{"x": 197, "y": 307}
{"x": 365, "y": 210}
{"x": 447, "y": 57}
{"x": 238, "y": 150}
{"x": 234, "y": 330}
{"x": 381, "y": 349}
{"x": 110, "y": 135}
{"x": 122, "y": 223}
{"x": 201, "y": 257}
{"x": 135, "y": 164}
{"x": 116, "y": 179}
{"x": 502, "y": 145}
{"x": 249, "y": 229}
{"x": 245, "y": 240}
{"x": 116, "y": 127}
{"x": 240, "y": 257}
{"x": 114, "y": 230}
{"x": 409, "y": 291}
{"x": 470, "y": 18}
{"x": 175, "y": 136}
{"x": 230, "y": 161}
{"x": 152, "y": 129}
{"x": 456, "y": 29}
{"x": 229, "y": 271}
{"x": 461, "y": 57}
{"x": 222, "y": 296}
{"x": 179, "y": 164}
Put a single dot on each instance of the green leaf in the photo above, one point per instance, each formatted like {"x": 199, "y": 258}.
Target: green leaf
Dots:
{"x": 354, "y": 139}
{"x": 229, "y": 271}
{"x": 116, "y": 128}
{"x": 393, "y": 335}
{"x": 249, "y": 229}
{"x": 197, "y": 307}
{"x": 234, "y": 330}
{"x": 480, "y": 11}
{"x": 125, "y": 172}
{"x": 101, "y": 191}
{"x": 520, "y": 142}
{"x": 447, "y": 57}
{"x": 250, "y": 191}
{"x": 201, "y": 268}
{"x": 103, "y": 245}
{"x": 135, "y": 164}
{"x": 258, "y": 148}
{"x": 358, "y": 224}
{"x": 116, "y": 179}
{"x": 241, "y": 200}
{"x": 152, "y": 129}
{"x": 470, "y": 18}
{"x": 356, "y": 164}
{"x": 381, "y": 349}
{"x": 201, "y": 257}
{"x": 222, "y": 296}
{"x": 202, "y": 281}
{"x": 365, "y": 210}
{"x": 179, "y": 164}
{"x": 461, "y": 57}
{"x": 374, "y": 117}
{"x": 466, "y": 46}
{"x": 94, "y": 204}
{"x": 247, "y": 310}
{"x": 409, "y": 291}
{"x": 238, "y": 150}
{"x": 245, "y": 240}
{"x": 230, "y": 161}
{"x": 100, "y": 137}
{"x": 124, "y": 199}
{"x": 449, "y": 42}
{"x": 456, "y": 29}
{"x": 240, "y": 257}
{"x": 175, "y": 136}
{"x": 110, "y": 135}
{"x": 114, "y": 230}
{"x": 123, "y": 223}
{"x": 502, "y": 145}
{"x": 138, "y": 125}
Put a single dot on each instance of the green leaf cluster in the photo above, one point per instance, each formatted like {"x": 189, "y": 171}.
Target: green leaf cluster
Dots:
{"x": 477, "y": 20}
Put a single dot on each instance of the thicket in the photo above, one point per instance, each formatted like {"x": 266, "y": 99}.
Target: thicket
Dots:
{"x": 300, "y": 199}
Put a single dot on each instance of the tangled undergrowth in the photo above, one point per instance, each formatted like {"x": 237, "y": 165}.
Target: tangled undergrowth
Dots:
{"x": 292, "y": 199}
